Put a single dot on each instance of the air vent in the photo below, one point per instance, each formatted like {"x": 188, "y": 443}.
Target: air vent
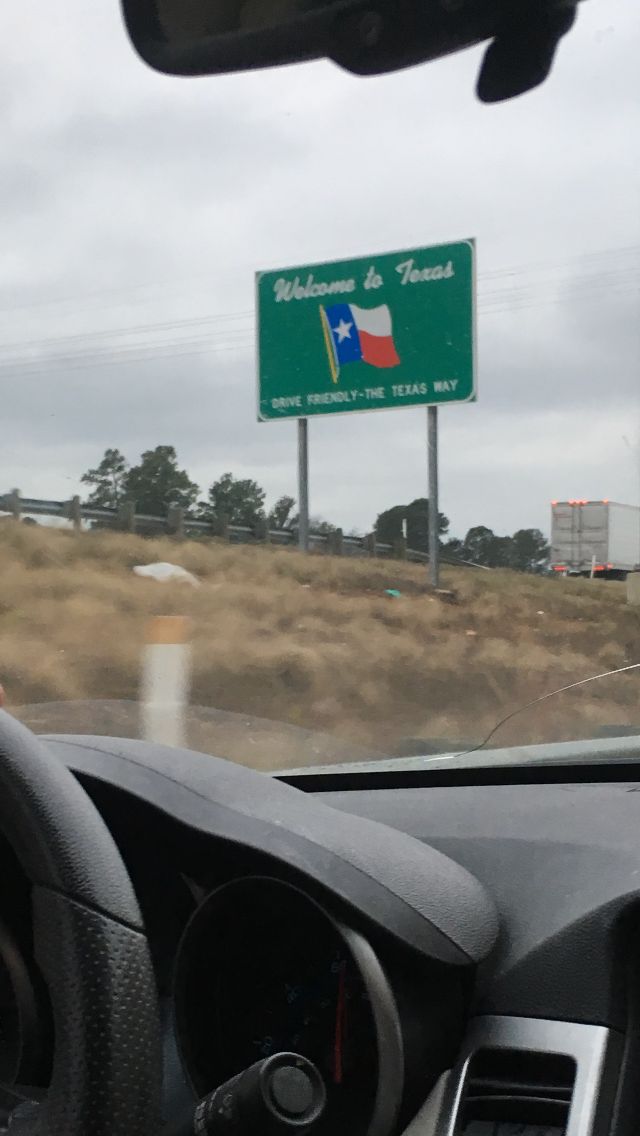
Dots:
{"x": 508, "y": 1090}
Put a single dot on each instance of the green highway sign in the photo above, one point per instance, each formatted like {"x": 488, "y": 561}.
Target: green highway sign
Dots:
{"x": 375, "y": 333}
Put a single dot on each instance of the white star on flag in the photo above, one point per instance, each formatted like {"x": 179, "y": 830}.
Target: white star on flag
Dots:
{"x": 343, "y": 330}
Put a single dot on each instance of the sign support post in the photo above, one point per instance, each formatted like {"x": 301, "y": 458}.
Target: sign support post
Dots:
{"x": 303, "y": 485}
{"x": 432, "y": 453}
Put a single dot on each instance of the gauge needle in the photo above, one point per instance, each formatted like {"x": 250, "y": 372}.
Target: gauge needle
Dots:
{"x": 341, "y": 1009}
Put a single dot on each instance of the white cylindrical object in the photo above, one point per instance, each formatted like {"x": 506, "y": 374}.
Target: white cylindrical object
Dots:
{"x": 164, "y": 687}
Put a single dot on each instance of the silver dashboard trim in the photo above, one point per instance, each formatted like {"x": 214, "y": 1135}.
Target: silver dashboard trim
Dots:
{"x": 592, "y": 1048}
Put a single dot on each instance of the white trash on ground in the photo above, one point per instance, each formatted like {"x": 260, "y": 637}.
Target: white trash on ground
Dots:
{"x": 164, "y": 572}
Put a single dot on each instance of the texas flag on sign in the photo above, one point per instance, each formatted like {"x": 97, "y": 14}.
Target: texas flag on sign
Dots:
{"x": 358, "y": 335}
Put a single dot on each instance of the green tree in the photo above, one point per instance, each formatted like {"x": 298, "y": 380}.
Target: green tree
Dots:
{"x": 529, "y": 551}
{"x": 389, "y": 525}
{"x": 321, "y": 527}
{"x": 240, "y": 501}
{"x": 317, "y": 525}
{"x": 108, "y": 480}
{"x": 525, "y": 551}
{"x": 280, "y": 516}
{"x": 480, "y": 546}
{"x": 453, "y": 548}
{"x": 417, "y": 513}
{"x": 501, "y": 552}
{"x": 157, "y": 482}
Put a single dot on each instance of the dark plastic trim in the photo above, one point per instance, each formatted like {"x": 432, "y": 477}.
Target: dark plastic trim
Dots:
{"x": 366, "y": 37}
{"x": 420, "y": 896}
{"x": 352, "y": 781}
{"x": 227, "y": 53}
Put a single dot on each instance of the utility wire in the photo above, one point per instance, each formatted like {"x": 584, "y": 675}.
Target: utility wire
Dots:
{"x": 236, "y": 330}
{"x": 120, "y": 291}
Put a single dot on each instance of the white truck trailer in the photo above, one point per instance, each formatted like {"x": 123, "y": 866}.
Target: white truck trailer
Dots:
{"x": 595, "y": 537}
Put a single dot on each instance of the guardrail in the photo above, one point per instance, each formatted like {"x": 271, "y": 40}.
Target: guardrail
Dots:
{"x": 182, "y": 525}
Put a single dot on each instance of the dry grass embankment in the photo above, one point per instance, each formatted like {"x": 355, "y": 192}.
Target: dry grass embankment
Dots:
{"x": 313, "y": 641}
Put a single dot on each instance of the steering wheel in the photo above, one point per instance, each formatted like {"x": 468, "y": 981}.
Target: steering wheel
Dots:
{"x": 91, "y": 948}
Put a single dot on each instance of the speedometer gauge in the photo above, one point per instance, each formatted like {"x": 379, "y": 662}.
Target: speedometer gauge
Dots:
{"x": 263, "y": 969}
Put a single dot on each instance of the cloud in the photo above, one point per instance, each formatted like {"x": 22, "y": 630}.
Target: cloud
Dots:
{"x": 132, "y": 200}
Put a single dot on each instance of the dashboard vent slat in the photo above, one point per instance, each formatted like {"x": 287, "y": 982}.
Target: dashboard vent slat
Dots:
{"x": 507, "y": 1087}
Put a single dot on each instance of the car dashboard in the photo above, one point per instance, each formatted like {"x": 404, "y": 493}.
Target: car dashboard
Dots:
{"x": 457, "y": 959}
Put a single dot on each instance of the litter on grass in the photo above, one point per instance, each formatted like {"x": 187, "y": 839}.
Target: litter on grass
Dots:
{"x": 163, "y": 572}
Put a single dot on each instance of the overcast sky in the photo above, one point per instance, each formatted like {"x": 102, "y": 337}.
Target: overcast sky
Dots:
{"x": 135, "y": 209}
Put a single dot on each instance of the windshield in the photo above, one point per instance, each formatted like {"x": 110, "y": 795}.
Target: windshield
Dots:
{"x": 146, "y": 473}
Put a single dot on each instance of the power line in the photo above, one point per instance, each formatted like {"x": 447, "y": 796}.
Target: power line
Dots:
{"x": 583, "y": 295}
{"x": 108, "y": 360}
{"x": 168, "y": 325}
{"x": 120, "y": 291}
{"x": 240, "y": 323}
{"x": 544, "y": 265}
{"x": 234, "y": 331}
{"x": 572, "y": 281}
{"x": 119, "y": 335}
{"x": 153, "y": 352}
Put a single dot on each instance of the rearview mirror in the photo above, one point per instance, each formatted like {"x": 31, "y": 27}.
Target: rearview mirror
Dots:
{"x": 367, "y": 37}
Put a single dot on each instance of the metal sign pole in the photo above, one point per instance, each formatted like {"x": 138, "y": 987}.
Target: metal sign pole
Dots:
{"x": 434, "y": 543}
{"x": 303, "y": 485}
